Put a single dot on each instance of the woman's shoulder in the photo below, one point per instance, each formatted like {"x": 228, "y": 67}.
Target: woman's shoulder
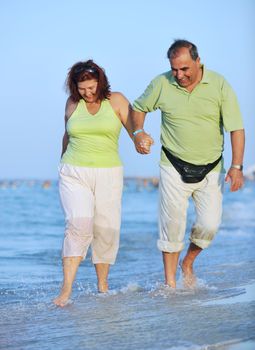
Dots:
{"x": 70, "y": 107}
{"x": 120, "y": 105}
{"x": 117, "y": 98}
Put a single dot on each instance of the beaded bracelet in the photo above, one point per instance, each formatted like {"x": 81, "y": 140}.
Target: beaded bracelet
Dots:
{"x": 137, "y": 132}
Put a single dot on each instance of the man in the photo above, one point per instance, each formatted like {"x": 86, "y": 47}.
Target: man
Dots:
{"x": 196, "y": 104}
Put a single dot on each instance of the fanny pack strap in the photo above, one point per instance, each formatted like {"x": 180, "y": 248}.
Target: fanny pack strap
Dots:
{"x": 178, "y": 163}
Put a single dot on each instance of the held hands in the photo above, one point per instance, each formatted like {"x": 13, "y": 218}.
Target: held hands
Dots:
{"x": 235, "y": 176}
{"x": 143, "y": 142}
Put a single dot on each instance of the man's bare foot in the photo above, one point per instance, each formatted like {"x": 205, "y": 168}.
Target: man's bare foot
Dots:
{"x": 189, "y": 278}
{"x": 63, "y": 298}
{"x": 102, "y": 287}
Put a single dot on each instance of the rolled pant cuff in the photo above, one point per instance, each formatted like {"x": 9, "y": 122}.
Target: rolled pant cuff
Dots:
{"x": 75, "y": 255}
{"x": 201, "y": 243}
{"x": 169, "y": 247}
{"x": 103, "y": 262}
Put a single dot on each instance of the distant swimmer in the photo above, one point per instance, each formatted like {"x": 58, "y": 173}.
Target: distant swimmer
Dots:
{"x": 46, "y": 184}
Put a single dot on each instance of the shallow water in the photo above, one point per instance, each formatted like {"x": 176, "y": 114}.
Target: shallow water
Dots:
{"x": 139, "y": 312}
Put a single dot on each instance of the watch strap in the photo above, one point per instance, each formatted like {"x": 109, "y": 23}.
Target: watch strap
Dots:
{"x": 237, "y": 166}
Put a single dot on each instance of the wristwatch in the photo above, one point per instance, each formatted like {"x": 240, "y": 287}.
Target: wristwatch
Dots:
{"x": 237, "y": 166}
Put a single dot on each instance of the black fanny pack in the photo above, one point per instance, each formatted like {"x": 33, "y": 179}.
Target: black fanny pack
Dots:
{"x": 190, "y": 173}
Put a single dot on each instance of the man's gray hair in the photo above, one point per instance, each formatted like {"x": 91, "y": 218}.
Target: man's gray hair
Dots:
{"x": 180, "y": 43}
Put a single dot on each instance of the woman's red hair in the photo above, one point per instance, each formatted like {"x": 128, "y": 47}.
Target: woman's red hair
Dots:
{"x": 87, "y": 70}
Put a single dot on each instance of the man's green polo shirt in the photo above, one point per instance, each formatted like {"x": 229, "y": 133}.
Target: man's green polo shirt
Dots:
{"x": 192, "y": 122}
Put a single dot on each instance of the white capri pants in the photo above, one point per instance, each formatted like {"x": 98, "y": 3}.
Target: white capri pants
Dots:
{"x": 174, "y": 195}
{"x": 91, "y": 200}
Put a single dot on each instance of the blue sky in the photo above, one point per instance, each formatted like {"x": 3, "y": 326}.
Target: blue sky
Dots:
{"x": 40, "y": 40}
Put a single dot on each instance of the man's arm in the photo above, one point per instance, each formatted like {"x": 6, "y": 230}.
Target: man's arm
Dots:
{"x": 137, "y": 119}
{"x": 147, "y": 102}
{"x": 142, "y": 140}
{"x": 234, "y": 175}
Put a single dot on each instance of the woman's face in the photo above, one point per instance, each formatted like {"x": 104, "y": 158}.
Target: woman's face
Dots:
{"x": 88, "y": 90}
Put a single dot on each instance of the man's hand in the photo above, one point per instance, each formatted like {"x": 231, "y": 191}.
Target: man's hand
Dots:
{"x": 235, "y": 176}
{"x": 143, "y": 142}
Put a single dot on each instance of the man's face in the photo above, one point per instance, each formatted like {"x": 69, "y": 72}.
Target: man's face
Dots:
{"x": 185, "y": 71}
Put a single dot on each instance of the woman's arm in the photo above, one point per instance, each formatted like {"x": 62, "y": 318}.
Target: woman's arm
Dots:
{"x": 121, "y": 106}
{"x": 123, "y": 109}
{"x": 69, "y": 109}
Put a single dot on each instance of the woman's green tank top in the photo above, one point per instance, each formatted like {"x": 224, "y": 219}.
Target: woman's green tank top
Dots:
{"x": 93, "y": 139}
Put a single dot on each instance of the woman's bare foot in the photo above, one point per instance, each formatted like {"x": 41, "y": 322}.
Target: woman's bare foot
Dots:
{"x": 189, "y": 278}
{"x": 63, "y": 298}
{"x": 171, "y": 283}
{"x": 102, "y": 287}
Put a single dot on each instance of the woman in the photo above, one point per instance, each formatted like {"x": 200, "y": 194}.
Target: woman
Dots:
{"x": 91, "y": 173}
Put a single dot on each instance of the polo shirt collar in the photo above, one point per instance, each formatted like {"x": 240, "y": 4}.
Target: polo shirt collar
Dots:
{"x": 205, "y": 78}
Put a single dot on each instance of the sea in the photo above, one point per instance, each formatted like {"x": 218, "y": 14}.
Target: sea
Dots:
{"x": 139, "y": 312}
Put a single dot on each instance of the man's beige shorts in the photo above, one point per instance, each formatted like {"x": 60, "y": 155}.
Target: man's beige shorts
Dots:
{"x": 174, "y": 196}
{"x": 91, "y": 199}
